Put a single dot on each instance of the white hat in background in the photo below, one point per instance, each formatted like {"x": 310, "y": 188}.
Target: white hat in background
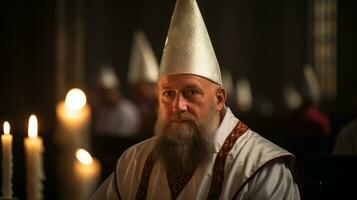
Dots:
{"x": 311, "y": 89}
{"x": 244, "y": 95}
{"x": 107, "y": 78}
{"x": 143, "y": 66}
{"x": 227, "y": 81}
{"x": 293, "y": 99}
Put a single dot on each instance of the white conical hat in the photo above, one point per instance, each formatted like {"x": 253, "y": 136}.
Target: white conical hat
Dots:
{"x": 293, "y": 99}
{"x": 227, "y": 81}
{"x": 244, "y": 95}
{"x": 143, "y": 65}
{"x": 310, "y": 83}
{"x": 107, "y": 78}
{"x": 188, "y": 48}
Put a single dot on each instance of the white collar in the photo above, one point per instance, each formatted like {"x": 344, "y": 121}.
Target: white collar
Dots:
{"x": 225, "y": 128}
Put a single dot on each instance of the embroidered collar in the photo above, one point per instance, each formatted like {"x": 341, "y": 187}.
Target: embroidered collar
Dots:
{"x": 225, "y": 128}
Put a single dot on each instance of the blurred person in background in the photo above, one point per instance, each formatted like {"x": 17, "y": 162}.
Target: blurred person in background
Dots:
{"x": 114, "y": 115}
{"x": 142, "y": 76}
{"x": 308, "y": 118}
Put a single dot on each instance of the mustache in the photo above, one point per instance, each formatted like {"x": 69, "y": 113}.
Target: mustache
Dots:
{"x": 183, "y": 117}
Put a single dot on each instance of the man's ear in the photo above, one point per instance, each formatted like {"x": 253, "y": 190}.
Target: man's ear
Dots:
{"x": 221, "y": 98}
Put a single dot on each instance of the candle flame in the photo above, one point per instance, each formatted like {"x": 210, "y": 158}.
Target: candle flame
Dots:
{"x": 6, "y": 128}
{"x": 32, "y": 129}
{"x": 75, "y": 99}
{"x": 84, "y": 157}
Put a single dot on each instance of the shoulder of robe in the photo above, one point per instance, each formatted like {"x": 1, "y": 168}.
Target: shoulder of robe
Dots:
{"x": 256, "y": 152}
{"x": 137, "y": 152}
{"x": 252, "y": 154}
{"x": 259, "y": 150}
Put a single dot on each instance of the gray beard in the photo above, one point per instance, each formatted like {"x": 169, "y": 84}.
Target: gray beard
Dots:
{"x": 183, "y": 146}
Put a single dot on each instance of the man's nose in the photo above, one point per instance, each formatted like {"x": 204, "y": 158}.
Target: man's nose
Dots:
{"x": 180, "y": 104}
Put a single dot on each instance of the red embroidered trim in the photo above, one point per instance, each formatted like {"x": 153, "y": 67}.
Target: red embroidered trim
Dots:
{"x": 145, "y": 178}
{"x": 218, "y": 169}
{"x": 217, "y": 176}
{"x": 177, "y": 183}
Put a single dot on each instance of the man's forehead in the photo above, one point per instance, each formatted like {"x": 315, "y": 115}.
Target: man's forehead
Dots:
{"x": 183, "y": 79}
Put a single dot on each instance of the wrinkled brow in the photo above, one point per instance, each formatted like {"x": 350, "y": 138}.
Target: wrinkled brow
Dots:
{"x": 191, "y": 85}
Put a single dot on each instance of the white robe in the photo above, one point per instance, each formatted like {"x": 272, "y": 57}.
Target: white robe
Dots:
{"x": 259, "y": 168}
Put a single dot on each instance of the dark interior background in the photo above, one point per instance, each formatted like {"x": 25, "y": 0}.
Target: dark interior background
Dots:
{"x": 265, "y": 41}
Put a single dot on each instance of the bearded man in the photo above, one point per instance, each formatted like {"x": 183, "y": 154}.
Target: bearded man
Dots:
{"x": 200, "y": 150}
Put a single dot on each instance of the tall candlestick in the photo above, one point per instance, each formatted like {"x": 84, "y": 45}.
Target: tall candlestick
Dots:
{"x": 73, "y": 117}
{"x": 34, "y": 164}
{"x": 87, "y": 172}
{"x": 6, "y": 141}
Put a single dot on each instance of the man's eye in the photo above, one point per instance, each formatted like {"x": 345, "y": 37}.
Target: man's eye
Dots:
{"x": 167, "y": 93}
{"x": 191, "y": 93}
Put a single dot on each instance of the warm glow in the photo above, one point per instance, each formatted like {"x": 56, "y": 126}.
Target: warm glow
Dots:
{"x": 32, "y": 129}
{"x": 6, "y": 128}
{"x": 75, "y": 99}
{"x": 84, "y": 157}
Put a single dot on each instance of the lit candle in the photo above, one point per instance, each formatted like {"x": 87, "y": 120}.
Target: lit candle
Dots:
{"x": 6, "y": 141}
{"x": 73, "y": 117}
{"x": 34, "y": 165}
{"x": 87, "y": 171}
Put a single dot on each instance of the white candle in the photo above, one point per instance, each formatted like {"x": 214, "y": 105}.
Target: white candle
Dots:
{"x": 34, "y": 164}
{"x": 6, "y": 141}
{"x": 87, "y": 172}
{"x": 73, "y": 117}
